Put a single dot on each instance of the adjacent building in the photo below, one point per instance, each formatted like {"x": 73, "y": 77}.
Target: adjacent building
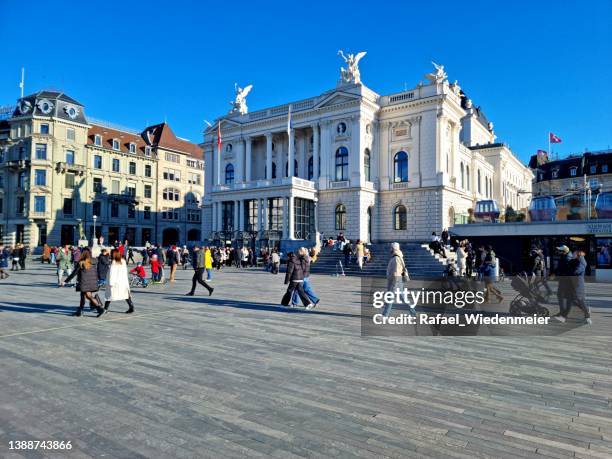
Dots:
{"x": 376, "y": 167}
{"x": 575, "y": 173}
{"x": 62, "y": 174}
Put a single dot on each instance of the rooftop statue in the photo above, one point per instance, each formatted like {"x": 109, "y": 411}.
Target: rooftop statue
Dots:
{"x": 438, "y": 76}
{"x": 350, "y": 74}
{"x": 239, "y": 103}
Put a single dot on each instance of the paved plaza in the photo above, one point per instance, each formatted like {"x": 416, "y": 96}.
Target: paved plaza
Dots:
{"x": 234, "y": 375}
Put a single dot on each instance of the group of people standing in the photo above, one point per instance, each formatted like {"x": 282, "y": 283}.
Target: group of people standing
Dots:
{"x": 15, "y": 255}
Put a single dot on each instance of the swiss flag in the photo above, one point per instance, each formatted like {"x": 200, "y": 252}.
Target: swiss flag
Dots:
{"x": 219, "y": 137}
{"x": 553, "y": 138}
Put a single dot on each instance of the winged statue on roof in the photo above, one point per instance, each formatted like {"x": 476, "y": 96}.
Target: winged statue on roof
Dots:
{"x": 239, "y": 103}
{"x": 438, "y": 76}
{"x": 350, "y": 74}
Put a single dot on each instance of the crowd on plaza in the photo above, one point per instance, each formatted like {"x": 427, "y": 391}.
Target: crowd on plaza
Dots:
{"x": 101, "y": 267}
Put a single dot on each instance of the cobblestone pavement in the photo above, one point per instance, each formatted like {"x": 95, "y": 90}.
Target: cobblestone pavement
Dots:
{"x": 233, "y": 375}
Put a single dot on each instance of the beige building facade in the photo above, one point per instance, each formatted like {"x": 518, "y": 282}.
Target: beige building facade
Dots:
{"x": 62, "y": 174}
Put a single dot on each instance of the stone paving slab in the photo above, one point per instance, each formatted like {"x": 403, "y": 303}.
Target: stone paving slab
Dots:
{"x": 234, "y": 375}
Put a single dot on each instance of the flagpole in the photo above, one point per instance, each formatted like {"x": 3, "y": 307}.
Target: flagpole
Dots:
{"x": 219, "y": 153}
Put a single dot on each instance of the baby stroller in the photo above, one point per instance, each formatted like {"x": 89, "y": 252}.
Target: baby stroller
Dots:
{"x": 137, "y": 281}
{"x": 527, "y": 302}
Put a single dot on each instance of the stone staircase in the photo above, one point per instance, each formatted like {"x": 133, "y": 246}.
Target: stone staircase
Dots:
{"x": 418, "y": 259}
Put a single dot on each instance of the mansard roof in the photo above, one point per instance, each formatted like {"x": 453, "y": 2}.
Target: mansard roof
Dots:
{"x": 161, "y": 135}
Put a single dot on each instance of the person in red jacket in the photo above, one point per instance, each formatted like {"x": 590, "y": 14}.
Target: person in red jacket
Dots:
{"x": 155, "y": 269}
{"x": 140, "y": 272}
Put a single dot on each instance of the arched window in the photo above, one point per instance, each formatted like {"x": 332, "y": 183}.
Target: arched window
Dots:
{"x": 340, "y": 217}
{"x": 467, "y": 176}
{"x": 366, "y": 163}
{"x": 400, "y": 218}
{"x": 479, "y": 188}
{"x": 400, "y": 166}
{"x": 342, "y": 163}
{"x": 462, "y": 175}
{"x": 310, "y": 168}
{"x": 171, "y": 194}
{"x": 229, "y": 174}
{"x": 295, "y": 168}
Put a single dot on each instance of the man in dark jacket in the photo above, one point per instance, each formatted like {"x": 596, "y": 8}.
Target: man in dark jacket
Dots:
{"x": 103, "y": 266}
{"x": 295, "y": 278}
{"x": 198, "y": 275}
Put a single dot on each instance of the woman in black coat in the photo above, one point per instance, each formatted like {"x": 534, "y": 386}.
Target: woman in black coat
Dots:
{"x": 295, "y": 278}
{"x": 86, "y": 273}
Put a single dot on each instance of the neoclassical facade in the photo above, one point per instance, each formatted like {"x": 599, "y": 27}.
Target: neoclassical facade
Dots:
{"x": 60, "y": 169}
{"x": 378, "y": 168}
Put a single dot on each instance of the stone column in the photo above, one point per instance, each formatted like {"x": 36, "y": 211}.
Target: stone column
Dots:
{"x": 241, "y": 214}
{"x": 290, "y": 219}
{"x": 264, "y": 214}
{"x": 248, "y": 159}
{"x": 213, "y": 217}
{"x": 315, "y": 152}
{"x": 236, "y": 215}
{"x": 290, "y": 153}
{"x": 325, "y": 154}
{"x": 356, "y": 175}
{"x": 260, "y": 214}
{"x": 239, "y": 169}
{"x": 285, "y": 215}
{"x": 269, "y": 156}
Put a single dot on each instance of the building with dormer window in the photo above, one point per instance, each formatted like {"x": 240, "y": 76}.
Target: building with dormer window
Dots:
{"x": 59, "y": 169}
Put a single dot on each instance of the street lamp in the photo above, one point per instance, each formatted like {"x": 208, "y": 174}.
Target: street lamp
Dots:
{"x": 95, "y": 239}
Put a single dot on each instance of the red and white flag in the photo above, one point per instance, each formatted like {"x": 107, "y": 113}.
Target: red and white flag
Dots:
{"x": 219, "y": 137}
{"x": 553, "y": 138}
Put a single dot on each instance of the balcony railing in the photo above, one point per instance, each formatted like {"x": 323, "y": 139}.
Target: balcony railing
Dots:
{"x": 263, "y": 183}
{"x": 63, "y": 167}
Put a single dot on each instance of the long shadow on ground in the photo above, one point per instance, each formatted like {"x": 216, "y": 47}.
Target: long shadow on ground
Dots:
{"x": 257, "y": 306}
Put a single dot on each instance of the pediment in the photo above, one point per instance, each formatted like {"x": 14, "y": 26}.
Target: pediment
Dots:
{"x": 336, "y": 98}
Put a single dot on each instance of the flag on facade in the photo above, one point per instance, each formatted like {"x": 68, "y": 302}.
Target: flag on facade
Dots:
{"x": 289, "y": 121}
{"x": 553, "y": 138}
{"x": 542, "y": 157}
{"x": 219, "y": 137}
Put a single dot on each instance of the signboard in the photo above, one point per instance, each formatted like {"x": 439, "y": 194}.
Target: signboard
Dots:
{"x": 599, "y": 228}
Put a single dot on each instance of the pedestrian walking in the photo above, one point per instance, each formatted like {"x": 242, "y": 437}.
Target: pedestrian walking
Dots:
{"x": 24, "y": 251}
{"x": 64, "y": 264}
{"x": 46, "y": 254}
{"x": 87, "y": 283}
{"x": 130, "y": 255}
{"x": 294, "y": 279}
{"x": 118, "y": 285}
{"x": 198, "y": 268}
{"x": 155, "y": 269}
{"x": 488, "y": 272}
{"x": 5, "y": 254}
{"x": 208, "y": 263}
{"x": 359, "y": 253}
{"x": 305, "y": 260}
{"x": 397, "y": 275}
{"x": 15, "y": 258}
{"x": 172, "y": 261}
{"x": 275, "y": 260}
{"x": 104, "y": 262}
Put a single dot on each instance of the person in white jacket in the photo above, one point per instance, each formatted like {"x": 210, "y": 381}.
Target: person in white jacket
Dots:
{"x": 461, "y": 255}
{"x": 118, "y": 284}
{"x": 397, "y": 275}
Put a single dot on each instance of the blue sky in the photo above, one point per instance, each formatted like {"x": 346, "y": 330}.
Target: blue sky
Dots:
{"x": 532, "y": 66}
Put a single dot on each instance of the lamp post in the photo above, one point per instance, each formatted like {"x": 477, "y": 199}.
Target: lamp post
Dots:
{"x": 95, "y": 238}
